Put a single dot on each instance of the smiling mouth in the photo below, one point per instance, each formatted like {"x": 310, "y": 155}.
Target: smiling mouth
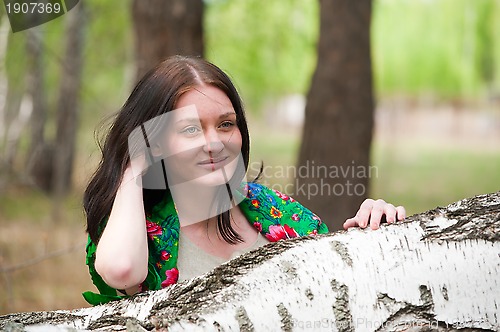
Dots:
{"x": 213, "y": 163}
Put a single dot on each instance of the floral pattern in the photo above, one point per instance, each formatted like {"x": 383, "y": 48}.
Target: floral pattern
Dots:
{"x": 278, "y": 232}
{"x": 153, "y": 229}
{"x": 274, "y": 214}
{"x": 172, "y": 276}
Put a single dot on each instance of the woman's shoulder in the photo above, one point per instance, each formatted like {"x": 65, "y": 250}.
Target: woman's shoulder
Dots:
{"x": 273, "y": 196}
{"x": 159, "y": 205}
{"x": 270, "y": 207}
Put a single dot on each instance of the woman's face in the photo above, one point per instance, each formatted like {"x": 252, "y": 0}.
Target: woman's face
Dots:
{"x": 202, "y": 143}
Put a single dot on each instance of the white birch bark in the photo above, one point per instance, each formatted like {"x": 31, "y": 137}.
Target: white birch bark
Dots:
{"x": 439, "y": 270}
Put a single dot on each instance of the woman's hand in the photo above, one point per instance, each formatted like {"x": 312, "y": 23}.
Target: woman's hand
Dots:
{"x": 137, "y": 165}
{"x": 371, "y": 212}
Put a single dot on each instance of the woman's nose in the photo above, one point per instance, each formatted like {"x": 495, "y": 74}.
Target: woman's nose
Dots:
{"x": 213, "y": 144}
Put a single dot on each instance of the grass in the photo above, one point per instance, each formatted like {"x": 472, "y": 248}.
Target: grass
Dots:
{"x": 29, "y": 234}
{"x": 422, "y": 177}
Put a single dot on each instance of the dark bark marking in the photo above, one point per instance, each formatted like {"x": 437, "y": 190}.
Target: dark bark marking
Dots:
{"x": 341, "y": 310}
{"x": 341, "y": 249}
{"x": 426, "y": 296}
{"x": 477, "y": 218}
{"x": 35, "y": 318}
{"x": 309, "y": 294}
{"x": 244, "y": 321}
{"x": 286, "y": 318}
{"x": 289, "y": 269}
{"x": 113, "y": 320}
{"x": 444, "y": 291}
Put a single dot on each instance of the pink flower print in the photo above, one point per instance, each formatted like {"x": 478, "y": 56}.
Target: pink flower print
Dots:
{"x": 152, "y": 229}
{"x": 295, "y": 217}
{"x": 278, "y": 232}
{"x": 172, "y": 277}
{"x": 165, "y": 255}
{"x": 281, "y": 195}
{"x": 258, "y": 226}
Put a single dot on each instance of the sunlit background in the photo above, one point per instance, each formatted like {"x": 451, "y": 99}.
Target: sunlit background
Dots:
{"x": 437, "y": 138}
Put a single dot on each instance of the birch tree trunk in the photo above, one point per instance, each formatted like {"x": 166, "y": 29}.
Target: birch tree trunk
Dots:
{"x": 436, "y": 271}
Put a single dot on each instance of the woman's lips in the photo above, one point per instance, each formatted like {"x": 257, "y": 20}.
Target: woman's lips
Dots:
{"x": 213, "y": 163}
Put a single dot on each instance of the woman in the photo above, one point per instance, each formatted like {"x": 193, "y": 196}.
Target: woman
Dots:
{"x": 169, "y": 199}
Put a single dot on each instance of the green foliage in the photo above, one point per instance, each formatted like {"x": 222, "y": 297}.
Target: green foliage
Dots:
{"x": 108, "y": 56}
{"x": 15, "y": 61}
{"x": 442, "y": 47}
{"x": 267, "y": 47}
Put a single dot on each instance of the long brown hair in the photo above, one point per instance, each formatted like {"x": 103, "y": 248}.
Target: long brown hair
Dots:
{"x": 155, "y": 94}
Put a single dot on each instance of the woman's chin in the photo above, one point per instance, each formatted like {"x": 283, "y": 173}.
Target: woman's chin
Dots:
{"x": 215, "y": 178}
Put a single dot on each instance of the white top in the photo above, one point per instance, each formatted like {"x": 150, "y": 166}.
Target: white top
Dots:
{"x": 194, "y": 261}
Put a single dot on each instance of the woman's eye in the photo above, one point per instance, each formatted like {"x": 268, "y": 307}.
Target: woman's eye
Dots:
{"x": 190, "y": 130}
{"x": 226, "y": 125}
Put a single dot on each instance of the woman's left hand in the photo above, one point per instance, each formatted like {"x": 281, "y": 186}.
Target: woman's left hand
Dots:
{"x": 371, "y": 212}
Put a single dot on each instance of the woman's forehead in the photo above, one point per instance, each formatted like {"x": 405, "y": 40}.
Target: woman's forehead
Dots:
{"x": 203, "y": 106}
{"x": 204, "y": 95}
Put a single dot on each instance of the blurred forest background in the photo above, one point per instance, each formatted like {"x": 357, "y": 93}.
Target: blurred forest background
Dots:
{"x": 436, "y": 138}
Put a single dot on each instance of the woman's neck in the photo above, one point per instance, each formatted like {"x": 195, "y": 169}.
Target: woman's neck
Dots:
{"x": 197, "y": 203}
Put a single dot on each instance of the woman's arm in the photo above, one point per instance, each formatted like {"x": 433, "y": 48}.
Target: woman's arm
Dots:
{"x": 122, "y": 251}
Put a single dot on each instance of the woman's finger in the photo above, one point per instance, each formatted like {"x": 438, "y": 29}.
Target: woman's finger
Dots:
{"x": 390, "y": 213}
{"x": 376, "y": 216}
{"x": 401, "y": 213}
{"x": 351, "y": 222}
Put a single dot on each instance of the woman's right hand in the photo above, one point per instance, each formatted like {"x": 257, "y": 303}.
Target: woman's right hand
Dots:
{"x": 137, "y": 165}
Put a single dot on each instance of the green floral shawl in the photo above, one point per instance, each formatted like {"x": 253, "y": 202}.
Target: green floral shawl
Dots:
{"x": 276, "y": 215}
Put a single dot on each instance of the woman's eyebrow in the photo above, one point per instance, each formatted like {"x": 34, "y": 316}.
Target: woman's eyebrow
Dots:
{"x": 191, "y": 120}
{"x": 198, "y": 120}
{"x": 227, "y": 114}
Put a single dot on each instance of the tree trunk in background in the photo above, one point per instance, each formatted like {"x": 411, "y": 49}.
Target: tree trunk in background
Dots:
{"x": 339, "y": 115}
{"x": 163, "y": 28}
{"x": 39, "y": 164}
{"x": 436, "y": 271}
{"x": 14, "y": 111}
{"x": 68, "y": 104}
